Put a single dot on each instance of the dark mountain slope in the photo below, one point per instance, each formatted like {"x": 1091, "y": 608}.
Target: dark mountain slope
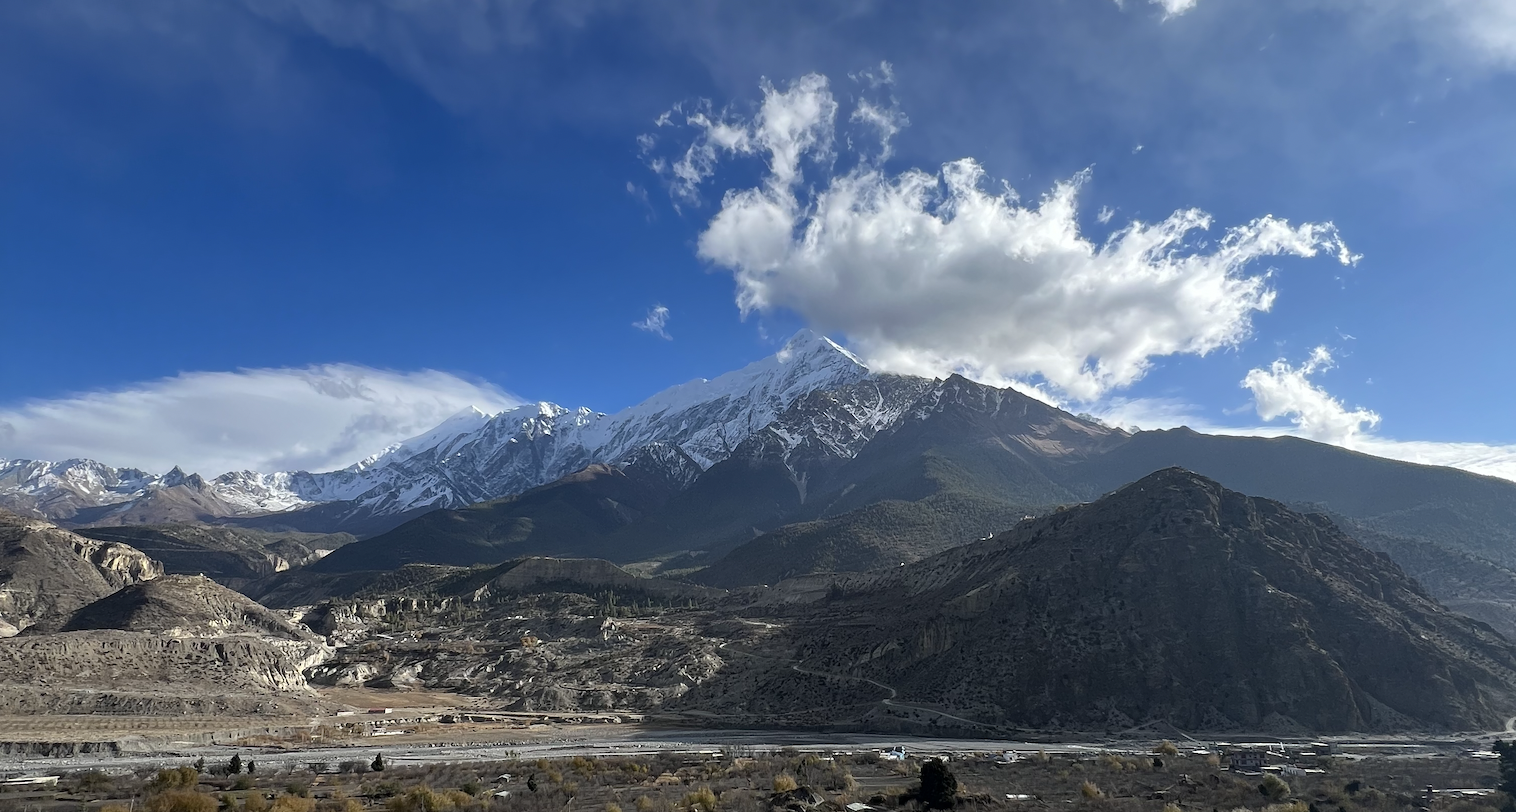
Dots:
{"x": 1172, "y": 598}
{"x": 964, "y": 460}
{"x": 569, "y": 516}
{"x": 1477, "y": 513}
{"x": 228, "y": 555}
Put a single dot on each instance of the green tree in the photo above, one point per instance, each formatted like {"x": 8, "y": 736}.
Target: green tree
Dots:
{"x": 1507, "y": 753}
{"x": 939, "y": 786}
{"x": 234, "y": 766}
{"x": 250, "y": 766}
{"x": 378, "y": 763}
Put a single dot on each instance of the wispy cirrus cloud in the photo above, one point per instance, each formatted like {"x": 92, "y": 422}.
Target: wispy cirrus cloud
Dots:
{"x": 1477, "y": 31}
{"x": 313, "y": 418}
{"x": 1286, "y": 392}
{"x": 656, "y": 322}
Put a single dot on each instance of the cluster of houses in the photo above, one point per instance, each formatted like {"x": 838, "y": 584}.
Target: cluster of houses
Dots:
{"x": 1256, "y": 759}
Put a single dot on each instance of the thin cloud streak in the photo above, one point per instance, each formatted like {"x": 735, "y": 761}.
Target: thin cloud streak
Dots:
{"x": 1168, "y": 413}
{"x": 314, "y": 418}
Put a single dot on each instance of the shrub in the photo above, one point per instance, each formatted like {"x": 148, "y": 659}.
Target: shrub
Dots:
{"x": 182, "y": 777}
{"x": 784, "y": 782}
{"x": 644, "y": 804}
{"x": 612, "y": 806}
{"x": 1274, "y": 788}
{"x": 95, "y": 781}
{"x": 293, "y": 803}
{"x": 419, "y": 799}
{"x": 178, "y": 800}
{"x": 1292, "y": 806}
{"x": 255, "y": 802}
{"x": 1166, "y": 748}
{"x": 702, "y": 799}
{"x": 1089, "y": 790}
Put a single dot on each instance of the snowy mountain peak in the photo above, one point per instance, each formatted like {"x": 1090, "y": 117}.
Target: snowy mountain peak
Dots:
{"x": 809, "y": 342}
{"x": 473, "y": 456}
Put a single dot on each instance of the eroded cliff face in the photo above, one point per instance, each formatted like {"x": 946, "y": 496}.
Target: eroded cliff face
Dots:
{"x": 152, "y": 674}
{"x": 168, "y": 645}
{"x": 47, "y": 573}
{"x": 121, "y": 564}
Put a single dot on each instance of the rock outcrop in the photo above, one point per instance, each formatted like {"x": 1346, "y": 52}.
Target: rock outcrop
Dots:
{"x": 173, "y": 645}
{"x": 47, "y": 573}
{"x": 149, "y": 674}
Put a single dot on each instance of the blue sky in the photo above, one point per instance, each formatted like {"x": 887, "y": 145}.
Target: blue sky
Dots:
{"x": 406, "y": 207}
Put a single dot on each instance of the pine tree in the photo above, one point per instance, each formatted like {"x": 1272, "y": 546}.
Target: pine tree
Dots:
{"x": 235, "y": 765}
{"x": 938, "y": 784}
{"x": 1507, "y": 753}
{"x": 378, "y": 763}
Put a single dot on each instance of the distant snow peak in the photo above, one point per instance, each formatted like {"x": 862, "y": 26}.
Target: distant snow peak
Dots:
{"x": 473, "y": 456}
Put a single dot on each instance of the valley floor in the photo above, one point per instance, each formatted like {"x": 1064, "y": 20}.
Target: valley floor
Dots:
{"x": 626, "y": 766}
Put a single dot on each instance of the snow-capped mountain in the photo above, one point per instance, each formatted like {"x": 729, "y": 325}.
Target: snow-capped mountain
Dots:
{"x": 472, "y": 456}
{"x": 57, "y": 490}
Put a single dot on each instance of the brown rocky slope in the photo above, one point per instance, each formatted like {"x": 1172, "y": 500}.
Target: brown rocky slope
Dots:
{"x": 47, "y": 573}
{"x": 174, "y": 645}
{"x": 1170, "y": 599}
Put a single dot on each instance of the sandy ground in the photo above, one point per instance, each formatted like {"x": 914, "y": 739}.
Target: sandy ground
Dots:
{"x": 101, "y": 727}
{"x": 365, "y": 698}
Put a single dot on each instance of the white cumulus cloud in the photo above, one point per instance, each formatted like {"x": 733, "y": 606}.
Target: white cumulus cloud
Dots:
{"x": 927, "y": 272}
{"x": 1174, "y": 8}
{"x": 315, "y": 418}
{"x": 1287, "y": 391}
{"x": 656, "y": 322}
